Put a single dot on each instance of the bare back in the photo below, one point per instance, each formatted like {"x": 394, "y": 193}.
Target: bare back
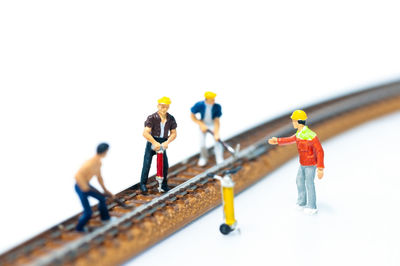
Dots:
{"x": 89, "y": 169}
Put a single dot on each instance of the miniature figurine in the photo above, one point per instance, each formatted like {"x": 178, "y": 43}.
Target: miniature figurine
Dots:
{"x": 210, "y": 113}
{"x": 156, "y": 129}
{"x": 82, "y": 187}
{"x": 311, "y": 158}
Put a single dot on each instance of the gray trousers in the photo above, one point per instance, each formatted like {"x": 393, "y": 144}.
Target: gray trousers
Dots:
{"x": 305, "y": 186}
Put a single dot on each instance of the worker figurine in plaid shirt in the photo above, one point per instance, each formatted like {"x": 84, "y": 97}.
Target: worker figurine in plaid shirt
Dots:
{"x": 311, "y": 157}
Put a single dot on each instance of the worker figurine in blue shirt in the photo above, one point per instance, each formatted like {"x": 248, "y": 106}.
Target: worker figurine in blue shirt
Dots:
{"x": 210, "y": 112}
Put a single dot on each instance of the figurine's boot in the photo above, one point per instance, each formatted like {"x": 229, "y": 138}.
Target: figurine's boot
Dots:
{"x": 143, "y": 187}
{"x": 219, "y": 152}
{"x": 164, "y": 185}
{"x": 203, "y": 157}
{"x": 310, "y": 211}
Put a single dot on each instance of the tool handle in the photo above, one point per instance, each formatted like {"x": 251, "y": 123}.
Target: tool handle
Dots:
{"x": 212, "y": 133}
{"x": 226, "y": 146}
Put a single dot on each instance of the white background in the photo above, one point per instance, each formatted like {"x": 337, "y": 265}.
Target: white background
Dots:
{"x": 75, "y": 73}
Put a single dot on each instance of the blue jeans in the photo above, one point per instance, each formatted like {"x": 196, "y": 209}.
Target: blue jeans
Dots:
{"x": 87, "y": 210}
{"x": 305, "y": 186}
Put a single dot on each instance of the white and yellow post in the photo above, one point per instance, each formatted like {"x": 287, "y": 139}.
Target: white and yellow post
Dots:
{"x": 227, "y": 185}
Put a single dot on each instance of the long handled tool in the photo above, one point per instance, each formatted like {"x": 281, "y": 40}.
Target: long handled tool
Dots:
{"x": 226, "y": 146}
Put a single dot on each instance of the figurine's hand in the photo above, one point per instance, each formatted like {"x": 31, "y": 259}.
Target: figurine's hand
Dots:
{"x": 273, "y": 141}
{"x": 320, "y": 173}
{"x": 216, "y": 136}
{"x": 165, "y": 145}
{"x": 203, "y": 127}
{"x": 157, "y": 146}
{"x": 109, "y": 194}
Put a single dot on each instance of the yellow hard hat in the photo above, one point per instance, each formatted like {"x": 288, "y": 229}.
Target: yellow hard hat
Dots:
{"x": 164, "y": 100}
{"x": 209, "y": 95}
{"x": 299, "y": 115}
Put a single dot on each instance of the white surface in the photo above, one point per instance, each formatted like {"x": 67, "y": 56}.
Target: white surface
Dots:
{"x": 357, "y": 224}
{"x": 79, "y": 72}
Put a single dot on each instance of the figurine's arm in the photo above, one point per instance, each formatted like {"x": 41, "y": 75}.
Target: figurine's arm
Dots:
{"x": 288, "y": 140}
{"x": 216, "y": 128}
{"x": 101, "y": 182}
{"x": 282, "y": 141}
{"x": 320, "y": 157}
{"x": 171, "y": 138}
{"x": 199, "y": 122}
{"x": 149, "y": 137}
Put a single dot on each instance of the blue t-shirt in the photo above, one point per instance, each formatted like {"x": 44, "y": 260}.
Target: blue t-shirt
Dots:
{"x": 200, "y": 107}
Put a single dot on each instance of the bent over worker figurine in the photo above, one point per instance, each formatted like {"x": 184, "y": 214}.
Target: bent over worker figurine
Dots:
{"x": 84, "y": 190}
{"x": 210, "y": 113}
{"x": 311, "y": 157}
{"x": 156, "y": 129}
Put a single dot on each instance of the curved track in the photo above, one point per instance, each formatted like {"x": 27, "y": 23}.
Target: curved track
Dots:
{"x": 154, "y": 216}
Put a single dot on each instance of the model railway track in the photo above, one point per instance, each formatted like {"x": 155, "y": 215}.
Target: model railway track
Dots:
{"x": 154, "y": 216}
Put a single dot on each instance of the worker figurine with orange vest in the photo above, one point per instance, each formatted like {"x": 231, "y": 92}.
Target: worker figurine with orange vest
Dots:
{"x": 156, "y": 129}
{"x": 210, "y": 112}
{"x": 311, "y": 159}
